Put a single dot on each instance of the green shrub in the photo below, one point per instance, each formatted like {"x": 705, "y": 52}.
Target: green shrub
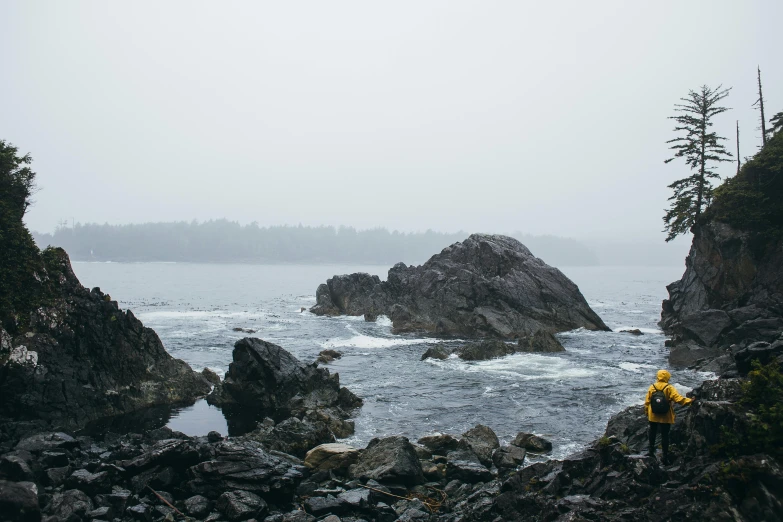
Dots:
{"x": 762, "y": 394}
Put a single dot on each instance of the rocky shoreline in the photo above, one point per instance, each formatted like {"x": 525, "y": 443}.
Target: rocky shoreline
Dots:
{"x": 287, "y": 465}
{"x": 163, "y": 475}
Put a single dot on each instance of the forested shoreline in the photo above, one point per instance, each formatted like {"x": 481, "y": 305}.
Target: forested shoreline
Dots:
{"x": 223, "y": 241}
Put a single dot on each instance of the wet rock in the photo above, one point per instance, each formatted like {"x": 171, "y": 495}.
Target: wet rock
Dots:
{"x": 16, "y": 466}
{"x": 327, "y": 356}
{"x": 85, "y": 358}
{"x": 265, "y": 379}
{"x": 214, "y": 436}
{"x": 391, "y": 459}
{"x": 728, "y": 294}
{"x": 244, "y": 464}
{"x": 509, "y": 457}
{"x": 333, "y": 456}
{"x": 241, "y": 505}
{"x": 437, "y": 352}
{"x": 482, "y": 441}
{"x": 90, "y": 483}
{"x": 210, "y": 376}
{"x": 485, "y": 286}
{"x": 70, "y": 503}
{"x": 319, "y": 506}
{"x": 422, "y": 452}
{"x": 540, "y": 342}
{"x": 465, "y": 466}
{"x": 197, "y": 506}
{"x": 47, "y": 441}
{"x": 761, "y": 351}
{"x": 55, "y": 477}
{"x": 485, "y": 350}
{"x": 101, "y": 513}
{"x": 117, "y": 500}
{"x": 53, "y": 459}
{"x": 439, "y": 443}
{"x": 293, "y": 436}
{"x": 633, "y": 331}
{"x": 532, "y": 443}
{"x": 18, "y": 503}
{"x": 141, "y": 512}
{"x": 355, "y": 498}
{"x": 630, "y": 426}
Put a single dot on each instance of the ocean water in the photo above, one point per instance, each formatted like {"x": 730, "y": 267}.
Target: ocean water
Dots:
{"x": 566, "y": 397}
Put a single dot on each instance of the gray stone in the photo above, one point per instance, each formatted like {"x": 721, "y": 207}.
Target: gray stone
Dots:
{"x": 197, "y": 506}
{"x": 509, "y": 457}
{"x": 18, "y": 503}
{"x": 485, "y": 286}
{"x": 465, "y": 466}
{"x": 319, "y": 506}
{"x": 390, "y": 459}
{"x": 240, "y": 505}
{"x": 482, "y": 441}
{"x": 439, "y": 443}
{"x": 532, "y": 443}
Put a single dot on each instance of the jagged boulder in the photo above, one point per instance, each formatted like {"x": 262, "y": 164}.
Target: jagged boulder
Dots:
{"x": 390, "y": 459}
{"x": 485, "y": 286}
{"x": 482, "y": 441}
{"x": 78, "y": 357}
{"x": 266, "y": 380}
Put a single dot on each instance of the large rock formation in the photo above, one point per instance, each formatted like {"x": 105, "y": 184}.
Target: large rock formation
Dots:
{"x": 77, "y": 357}
{"x": 730, "y": 297}
{"x": 728, "y": 306}
{"x": 264, "y": 380}
{"x": 485, "y": 286}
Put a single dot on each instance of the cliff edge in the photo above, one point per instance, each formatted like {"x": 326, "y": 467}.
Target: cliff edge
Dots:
{"x": 728, "y": 307}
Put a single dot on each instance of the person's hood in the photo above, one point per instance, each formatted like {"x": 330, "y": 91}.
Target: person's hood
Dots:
{"x": 664, "y": 376}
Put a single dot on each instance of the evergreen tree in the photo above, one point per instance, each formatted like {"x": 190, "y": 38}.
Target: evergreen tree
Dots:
{"x": 700, "y": 148}
{"x": 777, "y": 124}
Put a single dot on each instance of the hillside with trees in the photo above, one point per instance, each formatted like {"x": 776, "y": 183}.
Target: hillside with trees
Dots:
{"x": 223, "y": 241}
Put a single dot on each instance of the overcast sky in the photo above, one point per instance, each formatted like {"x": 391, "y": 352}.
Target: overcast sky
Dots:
{"x": 543, "y": 117}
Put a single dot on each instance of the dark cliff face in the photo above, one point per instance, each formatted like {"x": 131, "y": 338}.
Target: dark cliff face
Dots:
{"x": 485, "y": 286}
{"x": 77, "y": 357}
{"x": 730, "y": 296}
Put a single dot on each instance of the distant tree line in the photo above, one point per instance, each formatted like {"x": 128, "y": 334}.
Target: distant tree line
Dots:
{"x": 223, "y": 241}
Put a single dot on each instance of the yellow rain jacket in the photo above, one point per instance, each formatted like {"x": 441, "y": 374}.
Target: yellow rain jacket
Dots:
{"x": 671, "y": 396}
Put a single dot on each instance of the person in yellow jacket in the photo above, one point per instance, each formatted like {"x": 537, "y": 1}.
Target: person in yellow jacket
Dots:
{"x": 662, "y": 421}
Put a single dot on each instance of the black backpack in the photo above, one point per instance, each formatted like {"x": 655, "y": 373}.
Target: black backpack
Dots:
{"x": 659, "y": 404}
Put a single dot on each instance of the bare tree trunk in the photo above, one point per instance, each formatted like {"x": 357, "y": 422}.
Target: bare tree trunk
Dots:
{"x": 760, "y": 101}
{"x": 738, "y": 154}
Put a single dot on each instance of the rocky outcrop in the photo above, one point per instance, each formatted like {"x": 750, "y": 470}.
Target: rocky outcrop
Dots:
{"x": 306, "y": 401}
{"x": 730, "y": 296}
{"x": 79, "y": 357}
{"x": 485, "y": 286}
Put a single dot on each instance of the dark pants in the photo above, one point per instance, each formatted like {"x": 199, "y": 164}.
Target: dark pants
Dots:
{"x": 664, "y": 427}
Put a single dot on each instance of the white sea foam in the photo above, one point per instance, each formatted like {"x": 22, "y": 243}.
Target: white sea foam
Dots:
{"x": 634, "y": 367}
{"x": 519, "y": 367}
{"x": 383, "y": 321}
{"x": 367, "y": 341}
{"x": 203, "y": 314}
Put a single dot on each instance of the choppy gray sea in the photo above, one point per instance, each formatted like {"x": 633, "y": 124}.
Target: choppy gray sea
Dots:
{"x": 566, "y": 397}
